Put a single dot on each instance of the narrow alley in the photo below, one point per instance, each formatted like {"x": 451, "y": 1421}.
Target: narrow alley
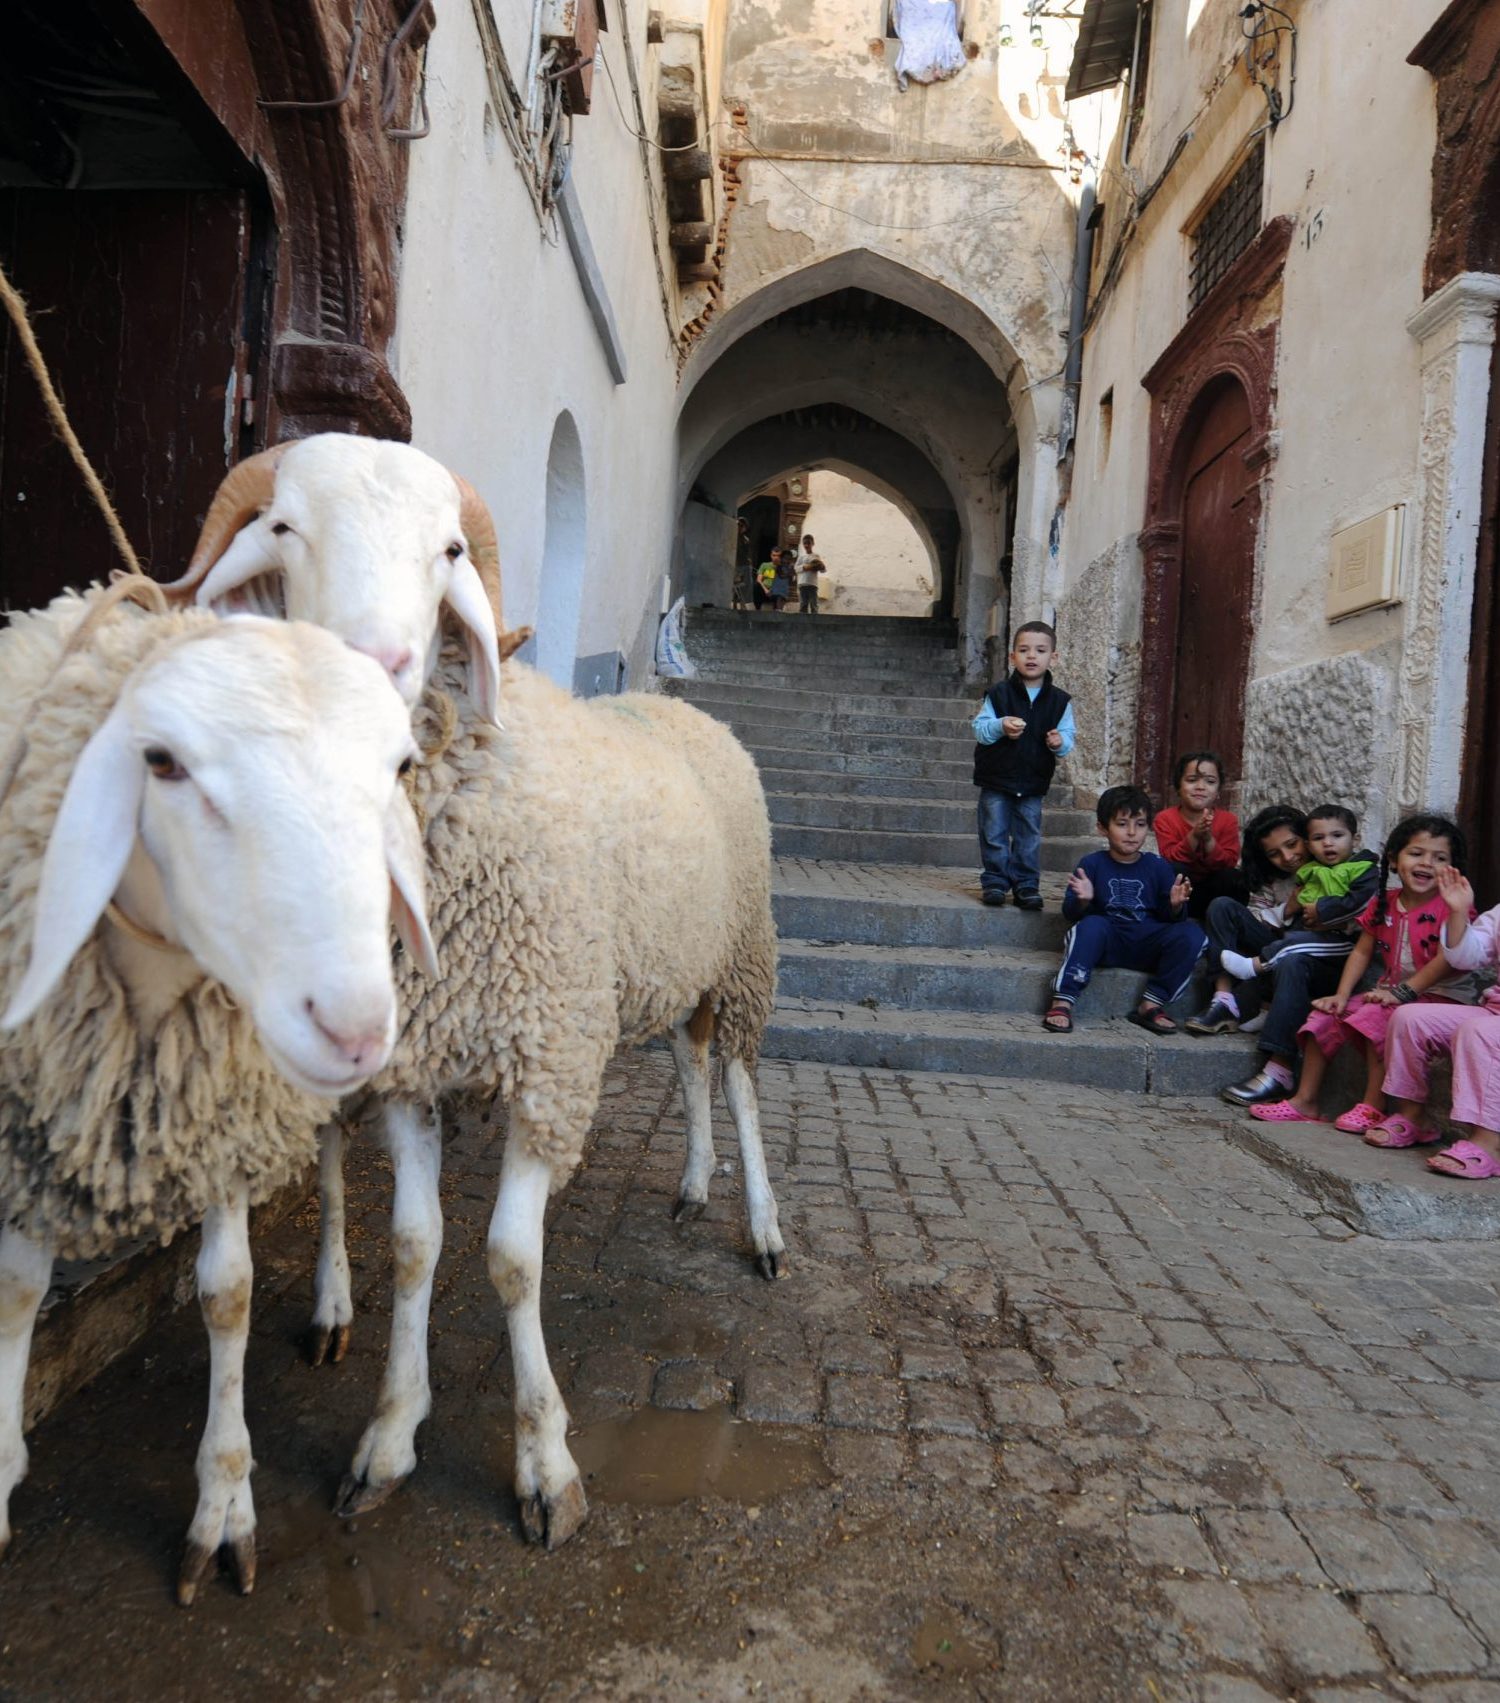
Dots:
{"x": 914, "y": 580}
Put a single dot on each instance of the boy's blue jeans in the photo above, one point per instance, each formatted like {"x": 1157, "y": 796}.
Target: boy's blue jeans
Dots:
{"x": 1010, "y": 842}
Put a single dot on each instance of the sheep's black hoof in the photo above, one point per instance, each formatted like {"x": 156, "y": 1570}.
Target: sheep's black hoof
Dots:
{"x": 554, "y": 1522}
{"x": 356, "y": 1496}
{"x": 327, "y": 1344}
{"x": 195, "y": 1565}
{"x": 686, "y": 1209}
{"x": 242, "y": 1563}
{"x": 771, "y": 1265}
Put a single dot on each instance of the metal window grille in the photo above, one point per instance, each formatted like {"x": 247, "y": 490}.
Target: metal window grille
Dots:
{"x": 1226, "y": 230}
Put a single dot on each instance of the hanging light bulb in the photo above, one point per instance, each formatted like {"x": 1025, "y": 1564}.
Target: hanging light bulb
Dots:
{"x": 1036, "y": 32}
{"x": 1006, "y": 38}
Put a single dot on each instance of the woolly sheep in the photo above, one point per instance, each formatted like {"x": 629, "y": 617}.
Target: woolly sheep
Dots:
{"x": 598, "y": 873}
{"x": 676, "y": 937}
{"x": 201, "y": 849}
{"x": 369, "y": 538}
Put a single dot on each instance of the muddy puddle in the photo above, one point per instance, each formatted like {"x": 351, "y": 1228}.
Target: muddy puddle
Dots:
{"x": 656, "y": 1458}
{"x": 951, "y": 1642}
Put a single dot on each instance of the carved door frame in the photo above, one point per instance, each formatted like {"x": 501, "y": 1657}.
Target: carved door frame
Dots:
{"x": 1227, "y": 334}
{"x": 335, "y": 177}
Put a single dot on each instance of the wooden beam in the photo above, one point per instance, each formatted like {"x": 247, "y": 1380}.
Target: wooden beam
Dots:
{"x": 697, "y": 235}
{"x": 691, "y": 165}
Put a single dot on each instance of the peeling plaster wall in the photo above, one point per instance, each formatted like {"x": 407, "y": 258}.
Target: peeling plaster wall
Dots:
{"x": 961, "y": 186}
{"x": 1323, "y": 732}
{"x": 1099, "y": 659}
{"x": 494, "y": 338}
{"x": 1352, "y": 166}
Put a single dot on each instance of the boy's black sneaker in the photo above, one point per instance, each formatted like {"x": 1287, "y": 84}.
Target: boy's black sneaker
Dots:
{"x": 993, "y": 896}
{"x": 1029, "y": 901}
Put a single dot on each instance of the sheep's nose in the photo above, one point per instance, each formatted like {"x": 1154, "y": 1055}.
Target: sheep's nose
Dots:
{"x": 364, "y": 1050}
{"x": 394, "y": 659}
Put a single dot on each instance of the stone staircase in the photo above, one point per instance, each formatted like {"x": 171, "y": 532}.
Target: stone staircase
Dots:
{"x": 860, "y": 727}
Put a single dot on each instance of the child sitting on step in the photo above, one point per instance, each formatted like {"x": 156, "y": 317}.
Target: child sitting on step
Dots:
{"x": 1023, "y": 726}
{"x": 1201, "y": 839}
{"x": 1307, "y": 961}
{"x": 1401, "y": 931}
{"x": 1127, "y": 909}
{"x": 1471, "y": 1034}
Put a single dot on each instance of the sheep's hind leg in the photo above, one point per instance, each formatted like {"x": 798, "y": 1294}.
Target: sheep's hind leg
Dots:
{"x": 690, "y": 1055}
{"x": 765, "y": 1225}
{"x": 387, "y": 1452}
{"x": 548, "y": 1485}
{"x": 225, "y": 1516}
{"x": 25, "y": 1272}
{"x": 333, "y": 1298}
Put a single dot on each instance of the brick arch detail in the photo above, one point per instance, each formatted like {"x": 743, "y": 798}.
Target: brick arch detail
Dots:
{"x": 1230, "y": 335}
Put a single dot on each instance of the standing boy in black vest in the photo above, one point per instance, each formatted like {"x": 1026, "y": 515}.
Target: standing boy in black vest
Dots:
{"x": 1024, "y": 725}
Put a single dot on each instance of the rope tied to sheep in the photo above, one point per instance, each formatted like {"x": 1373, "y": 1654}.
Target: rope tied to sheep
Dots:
{"x": 15, "y": 306}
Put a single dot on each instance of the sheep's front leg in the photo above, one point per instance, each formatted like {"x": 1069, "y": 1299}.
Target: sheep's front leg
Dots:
{"x": 548, "y": 1486}
{"x": 765, "y": 1225}
{"x": 691, "y": 1059}
{"x": 387, "y": 1452}
{"x": 333, "y": 1298}
{"x": 25, "y": 1272}
{"x": 225, "y": 1515}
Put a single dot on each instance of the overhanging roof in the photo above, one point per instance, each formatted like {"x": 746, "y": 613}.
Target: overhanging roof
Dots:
{"x": 1106, "y": 37}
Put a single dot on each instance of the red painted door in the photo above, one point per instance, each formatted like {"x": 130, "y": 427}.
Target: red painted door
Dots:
{"x": 1218, "y": 569}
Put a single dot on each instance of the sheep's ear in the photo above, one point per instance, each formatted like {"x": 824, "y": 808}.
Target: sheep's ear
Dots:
{"x": 470, "y": 603}
{"x": 91, "y": 843}
{"x": 249, "y": 556}
{"x": 403, "y": 857}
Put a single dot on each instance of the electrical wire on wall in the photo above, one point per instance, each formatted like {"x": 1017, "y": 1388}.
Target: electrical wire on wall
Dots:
{"x": 1268, "y": 31}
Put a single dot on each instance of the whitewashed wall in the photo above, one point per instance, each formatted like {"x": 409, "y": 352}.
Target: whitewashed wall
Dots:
{"x": 495, "y": 344}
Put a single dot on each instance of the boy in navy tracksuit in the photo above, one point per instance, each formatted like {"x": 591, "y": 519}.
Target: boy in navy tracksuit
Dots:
{"x": 1126, "y": 906}
{"x": 1023, "y": 726}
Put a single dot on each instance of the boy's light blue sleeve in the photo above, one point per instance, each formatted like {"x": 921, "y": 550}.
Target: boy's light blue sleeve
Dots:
{"x": 987, "y": 728}
{"x": 1066, "y": 729}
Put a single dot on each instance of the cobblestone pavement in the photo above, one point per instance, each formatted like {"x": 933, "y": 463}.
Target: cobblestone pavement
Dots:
{"x": 1065, "y": 1397}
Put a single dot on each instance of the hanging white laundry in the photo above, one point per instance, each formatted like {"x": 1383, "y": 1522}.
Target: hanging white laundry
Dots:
{"x": 930, "y": 44}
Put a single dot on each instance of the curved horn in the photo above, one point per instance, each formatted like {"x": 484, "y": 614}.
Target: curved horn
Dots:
{"x": 479, "y": 531}
{"x": 244, "y": 491}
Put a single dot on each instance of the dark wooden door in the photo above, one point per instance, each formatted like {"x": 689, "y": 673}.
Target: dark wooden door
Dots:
{"x": 138, "y": 302}
{"x": 1480, "y": 800}
{"x": 1218, "y": 570}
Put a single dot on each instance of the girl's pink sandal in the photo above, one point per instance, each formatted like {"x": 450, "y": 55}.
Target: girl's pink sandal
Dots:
{"x": 1464, "y": 1159}
{"x": 1359, "y": 1118}
{"x": 1398, "y": 1131}
{"x": 1282, "y": 1112}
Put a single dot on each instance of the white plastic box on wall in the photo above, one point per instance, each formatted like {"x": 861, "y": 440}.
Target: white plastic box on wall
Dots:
{"x": 1364, "y": 570}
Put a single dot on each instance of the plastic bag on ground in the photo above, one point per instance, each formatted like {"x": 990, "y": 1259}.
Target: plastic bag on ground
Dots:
{"x": 671, "y": 654}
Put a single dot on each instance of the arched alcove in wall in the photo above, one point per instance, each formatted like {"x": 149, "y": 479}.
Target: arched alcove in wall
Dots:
{"x": 560, "y": 595}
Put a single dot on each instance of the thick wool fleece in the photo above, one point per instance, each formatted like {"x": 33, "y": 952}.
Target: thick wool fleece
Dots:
{"x": 594, "y": 870}
{"x": 109, "y": 1133}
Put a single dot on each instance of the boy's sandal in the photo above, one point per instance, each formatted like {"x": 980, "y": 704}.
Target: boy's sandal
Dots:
{"x": 1282, "y": 1112}
{"x": 1359, "y": 1118}
{"x": 1153, "y": 1019}
{"x": 1059, "y": 1018}
{"x": 1399, "y": 1131}
{"x": 1465, "y": 1159}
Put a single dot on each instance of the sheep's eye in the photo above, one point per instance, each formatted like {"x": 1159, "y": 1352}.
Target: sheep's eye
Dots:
{"x": 164, "y": 765}
{"x": 281, "y": 528}
{"x": 453, "y": 552}
{"x": 405, "y": 766}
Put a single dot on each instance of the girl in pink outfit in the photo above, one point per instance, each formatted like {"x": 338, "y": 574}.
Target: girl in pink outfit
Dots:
{"x": 1401, "y": 931}
{"x": 1471, "y": 1034}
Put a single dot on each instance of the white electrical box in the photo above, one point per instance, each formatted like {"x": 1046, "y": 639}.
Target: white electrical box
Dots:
{"x": 1365, "y": 567}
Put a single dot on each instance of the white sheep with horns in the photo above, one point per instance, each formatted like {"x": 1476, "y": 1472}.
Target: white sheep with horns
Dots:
{"x": 203, "y": 845}
{"x": 598, "y": 873}
{"x": 370, "y": 539}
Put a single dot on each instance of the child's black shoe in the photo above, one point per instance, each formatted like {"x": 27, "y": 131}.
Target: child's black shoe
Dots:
{"x": 1029, "y": 901}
